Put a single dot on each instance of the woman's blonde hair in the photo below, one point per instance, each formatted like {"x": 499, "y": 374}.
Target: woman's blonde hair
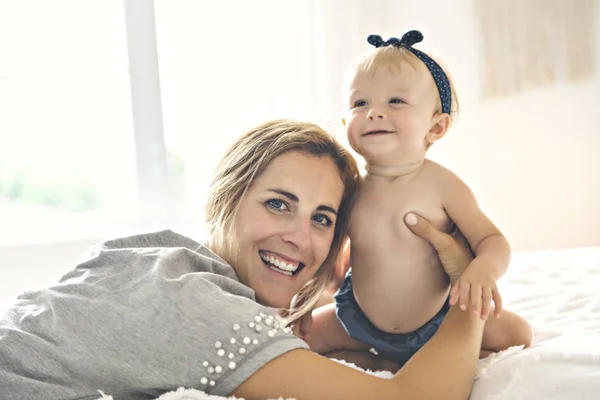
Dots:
{"x": 392, "y": 56}
{"x": 244, "y": 162}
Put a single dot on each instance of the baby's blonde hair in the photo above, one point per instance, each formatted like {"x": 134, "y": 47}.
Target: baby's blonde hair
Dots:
{"x": 245, "y": 161}
{"x": 392, "y": 56}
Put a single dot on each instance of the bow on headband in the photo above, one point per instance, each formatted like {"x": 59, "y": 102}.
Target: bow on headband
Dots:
{"x": 407, "y": 40}
{"x": 439, "y": 76}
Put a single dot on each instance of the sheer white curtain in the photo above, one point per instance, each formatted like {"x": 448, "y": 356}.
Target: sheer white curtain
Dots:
{"x": 232, "y": 65}
{"x": 65, "y": 117}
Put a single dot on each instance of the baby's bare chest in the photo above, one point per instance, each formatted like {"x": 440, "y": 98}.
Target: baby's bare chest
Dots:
{"x": 379, "y": 211}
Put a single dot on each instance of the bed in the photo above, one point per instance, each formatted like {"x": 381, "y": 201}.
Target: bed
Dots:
{"x": 558, "y": 291}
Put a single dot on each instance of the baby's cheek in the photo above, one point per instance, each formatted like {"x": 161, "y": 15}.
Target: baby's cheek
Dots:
{"x": 353, "y": 143}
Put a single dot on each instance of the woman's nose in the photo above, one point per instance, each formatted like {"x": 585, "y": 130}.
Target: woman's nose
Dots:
{"x": 298, "y": 233}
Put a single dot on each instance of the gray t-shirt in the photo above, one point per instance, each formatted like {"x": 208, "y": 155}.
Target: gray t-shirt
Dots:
{"x": 141, "y": 316}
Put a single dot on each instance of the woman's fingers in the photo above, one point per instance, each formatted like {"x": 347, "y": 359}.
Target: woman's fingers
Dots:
{"x": 453, "y": 250}
{"x": 420, "y": 226}
{"x": 462, "y": 241}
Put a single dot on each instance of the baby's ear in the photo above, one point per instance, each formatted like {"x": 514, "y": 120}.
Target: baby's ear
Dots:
{"x": 439, "y": 127}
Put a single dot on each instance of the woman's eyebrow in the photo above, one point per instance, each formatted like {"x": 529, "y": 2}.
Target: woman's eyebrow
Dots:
{"x": 294, "y": 198}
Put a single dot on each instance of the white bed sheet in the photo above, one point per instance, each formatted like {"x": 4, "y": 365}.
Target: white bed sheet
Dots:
{"x": 558, "y": 291}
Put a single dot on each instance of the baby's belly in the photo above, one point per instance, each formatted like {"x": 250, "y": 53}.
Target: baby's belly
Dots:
{"x": 402, "y": 286}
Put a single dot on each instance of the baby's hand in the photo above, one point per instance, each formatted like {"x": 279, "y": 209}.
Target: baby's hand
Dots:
{"x": 301, "y": 327}
{"x": 478, "y": 285}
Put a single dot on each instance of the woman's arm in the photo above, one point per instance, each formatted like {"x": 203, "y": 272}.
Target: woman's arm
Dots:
{"x": 443, "y": 368}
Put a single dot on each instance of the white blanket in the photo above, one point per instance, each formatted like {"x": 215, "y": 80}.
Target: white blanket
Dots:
{"x": 558, "y": 291}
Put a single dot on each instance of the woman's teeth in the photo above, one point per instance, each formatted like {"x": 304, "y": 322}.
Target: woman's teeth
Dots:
{"x": 288, "y": 273}
{"x": 279, "y": 265}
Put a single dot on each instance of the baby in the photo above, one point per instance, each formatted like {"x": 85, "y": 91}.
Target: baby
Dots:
{"x": 396, "y": 294}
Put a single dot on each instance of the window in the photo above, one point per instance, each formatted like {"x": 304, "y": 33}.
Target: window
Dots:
{"x": 65, "y": 119}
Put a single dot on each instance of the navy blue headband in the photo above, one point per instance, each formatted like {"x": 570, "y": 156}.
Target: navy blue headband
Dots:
{"x": 440, "y": 78}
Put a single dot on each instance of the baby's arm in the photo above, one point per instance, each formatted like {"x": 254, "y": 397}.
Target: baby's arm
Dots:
{"x": 478, "y": 282}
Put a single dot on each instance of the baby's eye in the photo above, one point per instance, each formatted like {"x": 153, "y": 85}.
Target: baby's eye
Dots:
{"x": 323, "y": 220}
{"x": 360, "y": 103}
{"x": 276, "y": 204}
{"x": 396, "y": 100}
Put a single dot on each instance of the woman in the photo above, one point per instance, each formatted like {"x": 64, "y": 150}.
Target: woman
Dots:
{"x": 147, "y": 314}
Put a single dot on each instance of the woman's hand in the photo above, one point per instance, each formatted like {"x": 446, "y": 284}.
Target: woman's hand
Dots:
{"x": 453, "y": 249}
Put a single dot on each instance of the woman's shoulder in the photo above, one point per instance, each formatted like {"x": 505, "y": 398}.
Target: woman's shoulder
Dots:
{"x": 154, "y": 262}
{"x": 163, "y": 238}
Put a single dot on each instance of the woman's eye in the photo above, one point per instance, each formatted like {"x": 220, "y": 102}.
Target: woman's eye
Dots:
{"x": 276, "y": 204}
{"x": 360, "y": 103}
{"x": 396, "y": 100}
{"x": 323, "y": 220}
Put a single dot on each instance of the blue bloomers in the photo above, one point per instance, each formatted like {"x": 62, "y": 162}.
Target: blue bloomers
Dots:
{"x": 398, "y": 347}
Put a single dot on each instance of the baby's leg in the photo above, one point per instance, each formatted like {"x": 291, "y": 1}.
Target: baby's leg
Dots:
{"x": 329, "y": 338}
{"x": 504, "y": 332}
{"x": 328, "y": 334}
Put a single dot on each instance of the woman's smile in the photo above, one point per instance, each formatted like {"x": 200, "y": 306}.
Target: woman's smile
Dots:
{"x": 281, "y": 264}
